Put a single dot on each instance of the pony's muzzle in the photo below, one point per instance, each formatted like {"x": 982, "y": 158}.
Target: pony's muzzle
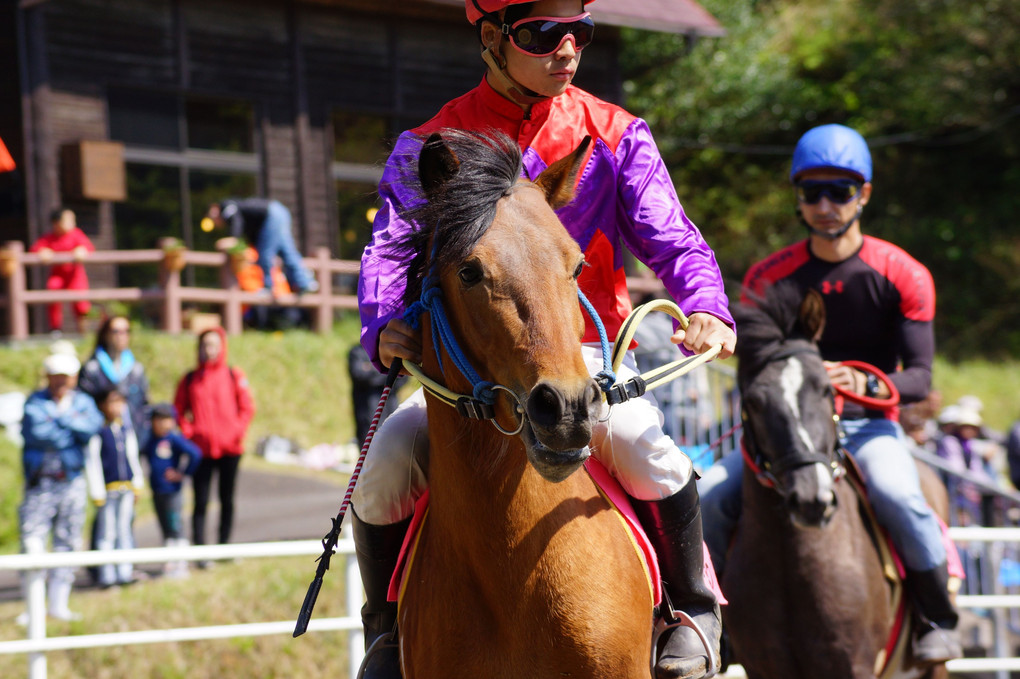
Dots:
{"x": 560, "y": 419}
{"x": 811, "y": 500}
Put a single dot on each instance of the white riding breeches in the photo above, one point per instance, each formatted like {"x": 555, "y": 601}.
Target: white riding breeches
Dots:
{"x": 630, "y": 444}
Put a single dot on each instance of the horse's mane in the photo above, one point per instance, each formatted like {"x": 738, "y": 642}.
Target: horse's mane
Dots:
{"x": 460, "y": 211}
{"x": 765, "y": 321}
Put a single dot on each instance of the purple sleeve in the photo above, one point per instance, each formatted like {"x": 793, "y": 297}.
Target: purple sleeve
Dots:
{"x": 655, "y": 228}
{"x": 381, "y": 284}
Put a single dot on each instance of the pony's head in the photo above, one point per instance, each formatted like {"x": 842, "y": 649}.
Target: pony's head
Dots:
{"x": 507, "y": 273}
{"x": 789, "y": 428}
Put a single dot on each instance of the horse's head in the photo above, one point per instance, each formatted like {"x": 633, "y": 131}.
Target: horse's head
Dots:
{"x": 789, "y": 428}
{"x": 507, "y": 271}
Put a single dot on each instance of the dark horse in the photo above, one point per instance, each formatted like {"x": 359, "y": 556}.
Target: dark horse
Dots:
{"x": 819, "y": 603}
{"x": 522, "y": 568}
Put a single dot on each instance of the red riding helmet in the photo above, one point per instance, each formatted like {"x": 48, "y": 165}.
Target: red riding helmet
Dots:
{"x": 476, "y": 9}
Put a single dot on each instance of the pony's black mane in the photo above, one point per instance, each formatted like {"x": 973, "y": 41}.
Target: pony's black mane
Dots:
{"x": 461, "y": 211}
{"x": 765, "y": 322}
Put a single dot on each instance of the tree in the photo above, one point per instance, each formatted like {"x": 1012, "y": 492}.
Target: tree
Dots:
{"x": 933, "y": 84}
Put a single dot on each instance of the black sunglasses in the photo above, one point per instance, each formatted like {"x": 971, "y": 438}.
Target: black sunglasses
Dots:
{"x": 839, "y": 191}
{"x": 542, "y": 36}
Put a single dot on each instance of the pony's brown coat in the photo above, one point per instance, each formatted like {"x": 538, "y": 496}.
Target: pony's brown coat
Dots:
{"x": 515, "y": 576}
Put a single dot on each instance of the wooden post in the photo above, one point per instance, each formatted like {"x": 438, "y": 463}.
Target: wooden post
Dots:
{"x": 171, "y": 281}
{"x": 17, "y": 310}
{"x": 233, "y": 322}
{"x": 324, "y": 312}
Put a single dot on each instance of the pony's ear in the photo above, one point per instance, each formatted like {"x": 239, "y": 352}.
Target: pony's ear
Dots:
{"x": 812, "y": 315}
{"x": 437, "y": 164}
{"x": 557, "y": 181}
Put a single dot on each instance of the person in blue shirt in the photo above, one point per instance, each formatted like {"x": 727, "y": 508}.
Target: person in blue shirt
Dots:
{"x": 171, "y": 457}
{"x": 57, "y": 425}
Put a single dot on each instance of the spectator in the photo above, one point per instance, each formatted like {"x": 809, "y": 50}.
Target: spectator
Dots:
{"x": 171, "y": 457}
{"x": 264, "y": 224}
{"x": 115, "y": 480}
{"x": 366, "y": 388}
{"x": 964, "y": 448}
{"x": 214, "y": 408}
{"x": 1013, "y": 454}
{"x": 58, "y": 423}
{"x": 260, "y": 316}
{"x": 65, "y": 237}
{"x": 113, "y": 365}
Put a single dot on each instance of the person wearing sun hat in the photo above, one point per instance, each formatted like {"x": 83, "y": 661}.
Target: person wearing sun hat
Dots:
{"x": 58, "y": 423}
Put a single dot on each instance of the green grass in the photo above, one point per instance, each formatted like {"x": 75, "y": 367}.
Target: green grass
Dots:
{"x": 994, "y": 382}
{"x": 249, "y": 591}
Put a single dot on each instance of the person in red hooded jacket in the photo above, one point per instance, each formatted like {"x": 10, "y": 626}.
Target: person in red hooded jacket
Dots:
{"x": 66, "y": 237}
{"x": 214, "y": 408}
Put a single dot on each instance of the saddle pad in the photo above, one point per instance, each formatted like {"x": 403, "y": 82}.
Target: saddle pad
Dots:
{"x": 612, "y": 491}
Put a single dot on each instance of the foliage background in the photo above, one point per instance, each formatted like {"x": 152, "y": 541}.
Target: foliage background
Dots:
{"x": 934, "y": 85}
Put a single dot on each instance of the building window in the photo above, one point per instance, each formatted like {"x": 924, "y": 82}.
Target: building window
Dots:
{"x": 360, "y": 149}
{"x": 182, "y": 154}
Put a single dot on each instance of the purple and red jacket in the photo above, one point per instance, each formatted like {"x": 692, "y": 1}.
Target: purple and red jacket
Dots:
{"x": 624, "y": 197}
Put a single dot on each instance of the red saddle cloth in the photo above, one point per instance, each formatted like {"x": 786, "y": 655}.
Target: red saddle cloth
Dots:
{"x": 612, "y": 491}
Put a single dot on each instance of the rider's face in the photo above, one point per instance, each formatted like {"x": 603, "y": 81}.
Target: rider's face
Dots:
{"x": 827, "y": 215}
{"x": 549, "y": 75}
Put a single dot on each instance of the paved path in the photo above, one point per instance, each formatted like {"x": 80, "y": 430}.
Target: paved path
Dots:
{"x": 268, "y": 506}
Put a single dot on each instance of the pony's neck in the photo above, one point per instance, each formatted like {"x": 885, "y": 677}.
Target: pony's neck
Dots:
{"x": 481, "y": 484}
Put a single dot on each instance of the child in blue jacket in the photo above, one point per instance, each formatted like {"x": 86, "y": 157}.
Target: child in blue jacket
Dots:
{"x": 171, "y": 457}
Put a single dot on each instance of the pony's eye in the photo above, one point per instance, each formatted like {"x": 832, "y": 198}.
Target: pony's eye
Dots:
{"x": 579, "y": 269}
{"x": 470, "y": 274}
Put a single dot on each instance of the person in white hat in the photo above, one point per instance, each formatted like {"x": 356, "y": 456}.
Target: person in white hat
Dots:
{"x": 59, "y": 420}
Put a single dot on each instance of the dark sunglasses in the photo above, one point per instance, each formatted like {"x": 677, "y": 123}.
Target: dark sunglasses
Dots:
{"x": 542, "y": 36}
{"x": 839, "y": 191}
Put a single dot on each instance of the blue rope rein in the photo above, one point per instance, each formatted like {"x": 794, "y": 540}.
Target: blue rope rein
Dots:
{"x": 432, "y": 302}
{"x": 605, "y": 378}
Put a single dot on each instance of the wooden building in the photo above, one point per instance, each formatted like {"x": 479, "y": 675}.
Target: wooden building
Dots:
{"x": 139, "y": 113}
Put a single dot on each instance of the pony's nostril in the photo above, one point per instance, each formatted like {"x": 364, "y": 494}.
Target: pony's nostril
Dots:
{"x": 546, "y": 405}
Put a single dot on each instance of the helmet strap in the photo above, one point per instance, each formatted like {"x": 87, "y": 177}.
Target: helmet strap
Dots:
{"x": 831, "y": 235}
{"x": 519, "y": 93}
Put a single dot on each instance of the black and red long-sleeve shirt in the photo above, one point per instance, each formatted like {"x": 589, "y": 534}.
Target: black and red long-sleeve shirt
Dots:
{"x": 879, "y": 305}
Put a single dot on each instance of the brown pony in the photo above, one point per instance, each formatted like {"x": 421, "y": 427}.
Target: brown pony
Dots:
{"x": 807, "y": 594}
{"x": 522, "y": 568}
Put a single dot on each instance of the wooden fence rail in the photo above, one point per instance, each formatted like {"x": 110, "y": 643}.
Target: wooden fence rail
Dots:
{"x": 170, "y": 294}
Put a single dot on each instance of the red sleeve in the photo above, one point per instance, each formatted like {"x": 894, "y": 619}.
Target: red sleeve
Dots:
{"x": 42, "y": 242}
{"x": 81, "y": 239}
{"x": 182, "y": 402}
{"x": 245, "y": 402}
{"x": 774, "y": 268}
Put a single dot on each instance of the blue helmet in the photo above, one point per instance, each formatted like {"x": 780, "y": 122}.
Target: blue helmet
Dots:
{"x": 835, "y": 147}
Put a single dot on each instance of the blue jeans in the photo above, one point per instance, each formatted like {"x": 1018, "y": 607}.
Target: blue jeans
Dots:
{"x": 275, "y": 239}
{"x": 893, "y": 488}
{"x": 113, "y": 531}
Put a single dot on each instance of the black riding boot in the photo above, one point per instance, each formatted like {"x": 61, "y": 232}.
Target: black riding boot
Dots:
{"x": 936, "y": 639}
{"x": 674, "y": 527}
{"x": 378, "y": 548}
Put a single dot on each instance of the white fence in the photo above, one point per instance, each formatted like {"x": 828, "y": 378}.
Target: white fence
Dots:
{"x": 37, "y": 645}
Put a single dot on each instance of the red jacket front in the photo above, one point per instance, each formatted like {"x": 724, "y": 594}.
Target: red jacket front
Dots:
{"x": 214, "y": 405}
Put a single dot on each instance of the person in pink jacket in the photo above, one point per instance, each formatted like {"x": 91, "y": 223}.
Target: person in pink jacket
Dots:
{"x": 214, "y": 408}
